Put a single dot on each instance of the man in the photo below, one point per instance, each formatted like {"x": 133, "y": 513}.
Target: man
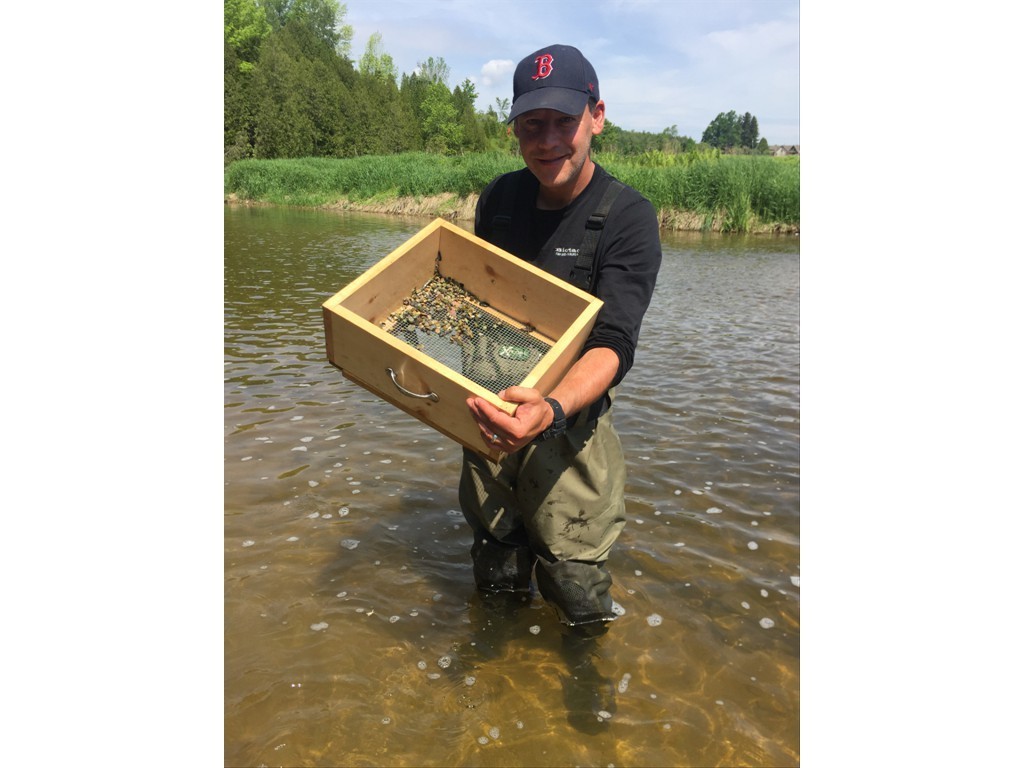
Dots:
{"x": 555, "y": 502}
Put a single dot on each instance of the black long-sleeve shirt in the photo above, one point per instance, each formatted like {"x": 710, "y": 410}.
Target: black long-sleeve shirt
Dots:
{"x": 626, "y": 263}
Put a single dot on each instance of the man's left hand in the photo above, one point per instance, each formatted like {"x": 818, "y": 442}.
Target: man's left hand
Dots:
{"x": 510, "y": 433}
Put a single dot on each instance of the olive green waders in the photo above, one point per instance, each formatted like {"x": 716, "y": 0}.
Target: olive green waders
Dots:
{"x": 557, "y": 504}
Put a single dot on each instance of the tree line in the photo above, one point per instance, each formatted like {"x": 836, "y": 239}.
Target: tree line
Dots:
{"x": 292, "y": 89}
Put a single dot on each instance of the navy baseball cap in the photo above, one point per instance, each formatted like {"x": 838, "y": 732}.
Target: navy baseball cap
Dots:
{"x": 558, "y": 77}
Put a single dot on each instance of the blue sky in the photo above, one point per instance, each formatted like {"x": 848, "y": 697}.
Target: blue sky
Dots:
{"x": 660, "y": 62}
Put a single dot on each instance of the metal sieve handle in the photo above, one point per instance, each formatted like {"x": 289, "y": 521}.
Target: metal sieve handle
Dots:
{"x": 429, "y": 396}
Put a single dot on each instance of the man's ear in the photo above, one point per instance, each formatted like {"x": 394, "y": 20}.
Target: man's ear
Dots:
{"x": 598, "y": 116}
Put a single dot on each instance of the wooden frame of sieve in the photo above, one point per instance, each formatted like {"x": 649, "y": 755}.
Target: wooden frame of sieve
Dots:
{"x": 367, "y": 354}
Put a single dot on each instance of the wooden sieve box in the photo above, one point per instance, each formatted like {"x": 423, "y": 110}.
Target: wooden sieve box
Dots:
{"x": 526, "y": 327}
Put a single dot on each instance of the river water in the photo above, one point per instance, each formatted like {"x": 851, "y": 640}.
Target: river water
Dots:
{"x": 353, "y": 633}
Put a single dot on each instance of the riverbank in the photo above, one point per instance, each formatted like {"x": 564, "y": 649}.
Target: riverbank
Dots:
{"x": 693, "y": 191}
{"x": 462, "y": 209}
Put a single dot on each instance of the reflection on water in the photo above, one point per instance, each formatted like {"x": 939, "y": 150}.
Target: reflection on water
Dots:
{"x": 353, "y": 633}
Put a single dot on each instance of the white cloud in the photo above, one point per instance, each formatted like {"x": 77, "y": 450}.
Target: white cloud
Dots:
{"x": 497, "y": 72}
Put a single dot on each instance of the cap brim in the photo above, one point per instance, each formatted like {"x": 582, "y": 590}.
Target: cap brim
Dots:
{"x": 559, "y": 99}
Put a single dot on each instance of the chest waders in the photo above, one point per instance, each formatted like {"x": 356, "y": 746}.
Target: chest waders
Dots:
{"x": 556, "y": 504}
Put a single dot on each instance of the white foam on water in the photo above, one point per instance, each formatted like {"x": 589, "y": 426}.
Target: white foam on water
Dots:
{"x": 313, "y": 516}
{"x": 306, "y": 439}
{"x": 385, "y": 461}
{"x": 342, "y": 594}
{"x": 638, "y": 572}
{"x": 292, "y": 538}
{"x": 714, "y": 511}
{"x": 795, "y": 581}
{"x": 393, "y": 619}
{"x": 433, "y": 675}
{"x": 483, "y": 740}
{"x": 493, "y": 732}
{"x": 751, "y": 545}
{"x": 617, "y": 609}
{"x": 697, "y": 492}
{"x": 444, "y": 662}
{"x": 764, "y": 593}
{"x": 745, "y": 604}
{"x": 248, "y": 543}
{"x": 470, "y": 681}
{"x": 535, "y": 629}
{"x": 318, "y": 626}
{"x": 654, "y": 620}
{"x": 349, "y": 543}
{"x": 421, "y": 664}
{"x": 299, "y": 448}
{"x": 295, "y": 418}
{"x": 246, "y": 458}
{"x": 519, "y": 724}
{"x": 313, "y": 483}
{"x": 766, "y": 623}
{"x": 624, "y": 682}
{"x": 680, "y": 544}
{"x": 603, "y": 715}
{"x": 677, "y": 492}
{"x": 343, "y": 511}
{"x": 385, "y": 721}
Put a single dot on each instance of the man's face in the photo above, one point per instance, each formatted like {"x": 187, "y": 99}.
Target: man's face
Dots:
{"x": 556, "y": 147}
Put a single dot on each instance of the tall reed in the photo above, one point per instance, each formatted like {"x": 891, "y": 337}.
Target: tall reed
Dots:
{"x": 737, "y": 190}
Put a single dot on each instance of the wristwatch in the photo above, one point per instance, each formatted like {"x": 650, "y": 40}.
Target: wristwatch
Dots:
{"x": 557, "y": 428}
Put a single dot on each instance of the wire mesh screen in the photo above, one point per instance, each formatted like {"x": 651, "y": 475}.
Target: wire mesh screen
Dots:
{"x": 447, "y": 323}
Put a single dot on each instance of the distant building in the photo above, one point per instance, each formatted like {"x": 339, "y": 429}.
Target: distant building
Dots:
{"x": 781, "y": 150}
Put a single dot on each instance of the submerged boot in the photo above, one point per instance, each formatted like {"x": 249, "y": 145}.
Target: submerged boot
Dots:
{"x": 589, "y": 696}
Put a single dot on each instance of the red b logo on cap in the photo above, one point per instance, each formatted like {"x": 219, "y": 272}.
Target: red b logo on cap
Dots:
{"x": 544, "y": 66}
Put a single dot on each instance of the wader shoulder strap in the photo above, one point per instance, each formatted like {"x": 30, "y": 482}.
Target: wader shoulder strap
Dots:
{"x": 583, "y": 271}
{"x": 501, "y": 222}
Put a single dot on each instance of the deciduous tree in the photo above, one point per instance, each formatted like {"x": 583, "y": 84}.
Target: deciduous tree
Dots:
{"x": 376, "y": 62}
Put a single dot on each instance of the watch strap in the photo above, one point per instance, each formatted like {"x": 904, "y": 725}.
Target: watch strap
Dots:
{"x": 558, "y": 426}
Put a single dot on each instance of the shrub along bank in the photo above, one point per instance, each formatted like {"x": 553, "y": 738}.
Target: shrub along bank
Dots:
{"x": 695, "y": 191}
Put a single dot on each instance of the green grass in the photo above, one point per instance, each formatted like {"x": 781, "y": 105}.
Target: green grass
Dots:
{"x": 739, "y": 189}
